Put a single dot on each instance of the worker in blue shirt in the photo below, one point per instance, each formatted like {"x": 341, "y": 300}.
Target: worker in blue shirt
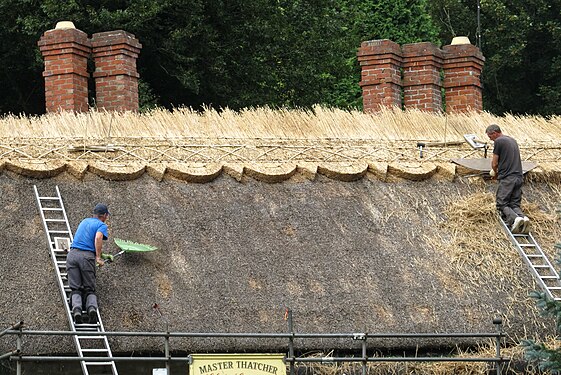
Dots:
{"x": 84, "y": 255}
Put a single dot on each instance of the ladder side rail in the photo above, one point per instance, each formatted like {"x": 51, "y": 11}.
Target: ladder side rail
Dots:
{"x": 527, "y": 260}
{"x": 64, "y": 214}
{"x": 42, "y": 216}
{"x": 54, "y": 260}
{"x": 65, "y": 296}
{"x": 553, "y": 270}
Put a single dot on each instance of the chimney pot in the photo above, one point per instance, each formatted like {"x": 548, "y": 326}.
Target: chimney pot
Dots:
{"x": 62, "y": 25}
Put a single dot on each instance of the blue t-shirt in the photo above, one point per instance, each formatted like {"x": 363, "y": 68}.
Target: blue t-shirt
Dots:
{"x": 84, "y": 239}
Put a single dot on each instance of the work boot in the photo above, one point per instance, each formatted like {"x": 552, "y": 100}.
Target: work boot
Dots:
{"x": 517, "y": 225}
{"x": 526, "y": 227}
{"x": 77, "y": 315}
{"x": 92, "y": 314}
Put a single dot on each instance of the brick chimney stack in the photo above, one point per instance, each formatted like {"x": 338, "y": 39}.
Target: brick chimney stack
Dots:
{"x": 463, "y": 64}
{"x": 65, "y": 51}
{"x": 422, "y": 63}
{"x": 381, "y": 77}
{"x": 116, "y": 77}
{"x": 413, "y": 72}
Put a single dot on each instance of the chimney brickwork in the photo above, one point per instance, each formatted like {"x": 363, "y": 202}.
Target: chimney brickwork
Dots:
{"x": 463, "y": 64}
{"x": 422, "y": 63}
{"x": 65, "y": 52}
{"x": 409, "y": 76}
{"x": 116, "y": 77}
{"x": 381, "y": 77}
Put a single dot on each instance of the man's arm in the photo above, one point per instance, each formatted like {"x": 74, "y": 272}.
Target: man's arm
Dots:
{"x": 495, "y": 163}
{"x": 98, "y": 246}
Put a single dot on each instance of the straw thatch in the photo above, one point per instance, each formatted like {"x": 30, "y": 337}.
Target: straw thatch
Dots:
{"x": 334, "y": 140}
{"x": 357, "y": 233}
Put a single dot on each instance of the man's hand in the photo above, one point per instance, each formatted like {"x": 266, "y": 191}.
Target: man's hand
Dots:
{"x": 493, "y": 174}
{"x": 99, "y": 262}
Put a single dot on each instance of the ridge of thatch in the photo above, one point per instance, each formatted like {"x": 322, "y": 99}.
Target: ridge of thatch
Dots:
{"x": 278, "y": 124}
{"x": 264, "y": 144}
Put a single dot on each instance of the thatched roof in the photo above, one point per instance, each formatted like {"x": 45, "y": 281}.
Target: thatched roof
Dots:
{"x": 375, "y": 250}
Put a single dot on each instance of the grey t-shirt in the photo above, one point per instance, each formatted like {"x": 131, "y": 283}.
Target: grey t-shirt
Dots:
{"x": 509, "y": 156}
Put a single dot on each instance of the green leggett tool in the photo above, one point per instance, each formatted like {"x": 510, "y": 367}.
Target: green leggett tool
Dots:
{"x": 127, "y": 247}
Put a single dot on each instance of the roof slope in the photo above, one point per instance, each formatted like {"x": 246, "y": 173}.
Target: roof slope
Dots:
{"x": 357, "y": 256}
{"x": 364, "y": 234}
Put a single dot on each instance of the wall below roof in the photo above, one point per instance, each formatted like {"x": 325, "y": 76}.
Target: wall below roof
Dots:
{"x": 346, "y": 257}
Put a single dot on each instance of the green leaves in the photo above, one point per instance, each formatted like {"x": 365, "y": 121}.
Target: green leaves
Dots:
{"x": 521, "y": 41}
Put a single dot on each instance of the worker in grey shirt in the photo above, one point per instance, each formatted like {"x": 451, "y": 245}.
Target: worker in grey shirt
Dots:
{"x": 507, "y": 168}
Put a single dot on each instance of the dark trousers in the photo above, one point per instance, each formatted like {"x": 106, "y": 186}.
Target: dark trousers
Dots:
{"x": 509, "y": 196}
{"x": 80, "y": 266}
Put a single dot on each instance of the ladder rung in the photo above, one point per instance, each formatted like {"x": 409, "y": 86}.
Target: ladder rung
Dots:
{"x": 98, "y": 363}
{"x": 526, "y": 245}
{"x": 90, "y": 337}
{"x": 86, "y": 329}
{"x": 554, "y": 287}
{"x": 51, "y": 209}
{"x": 534, "y": 255}
{"x": 549, "y": 277}
{"x": 58, "y": 231}
{"x": 55, "y": 220}
{"x": 49, "y": 198}
{"x": 95, "y": 350}
{"x": 540, "y": 266}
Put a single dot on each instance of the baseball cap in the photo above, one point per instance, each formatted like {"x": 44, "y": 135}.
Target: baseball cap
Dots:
{"x": 101, "y": 209}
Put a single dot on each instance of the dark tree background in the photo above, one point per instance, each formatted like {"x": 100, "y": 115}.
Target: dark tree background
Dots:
{"x": 286, "y": 53}
{"x": 521, "y": 41}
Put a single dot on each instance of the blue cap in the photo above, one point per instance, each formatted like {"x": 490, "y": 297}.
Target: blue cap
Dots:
{"x": 101, "y": 209}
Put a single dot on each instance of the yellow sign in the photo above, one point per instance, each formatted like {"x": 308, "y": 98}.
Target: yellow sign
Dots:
{"x": 237, "y": 364}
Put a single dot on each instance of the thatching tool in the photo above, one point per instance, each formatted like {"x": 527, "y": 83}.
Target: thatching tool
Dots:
{"x": 128, "y": 247}
{"x": 421, "y": 145}
{"x": 476, "y": 144}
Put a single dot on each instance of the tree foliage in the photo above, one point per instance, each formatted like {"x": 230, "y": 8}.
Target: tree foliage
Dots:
{"x": 235, "y": 53}
{"x": 521, "y": 40}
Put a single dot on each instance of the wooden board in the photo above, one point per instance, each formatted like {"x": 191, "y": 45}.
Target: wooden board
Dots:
{"x": 484, "y": 165}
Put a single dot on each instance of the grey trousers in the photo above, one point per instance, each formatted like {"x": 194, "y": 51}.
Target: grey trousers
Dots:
{"x": 80, "y": 266}
{"x": 509, "y": 196}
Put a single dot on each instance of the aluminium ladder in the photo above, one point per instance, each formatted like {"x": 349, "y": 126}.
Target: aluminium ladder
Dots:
{"x": 534, "y": 257}
{"x": 59, "y": 237}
